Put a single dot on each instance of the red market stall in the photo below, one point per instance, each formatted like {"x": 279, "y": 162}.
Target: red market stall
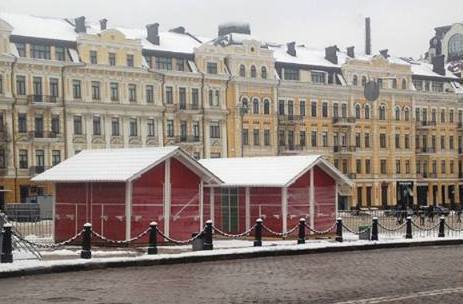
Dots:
{"x": 280, "y": 190}
{"x": 108, "y": 186}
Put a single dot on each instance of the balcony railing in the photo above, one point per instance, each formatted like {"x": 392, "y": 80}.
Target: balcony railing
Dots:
{"x": 188, "y": 107}
{"x": 37, "y": 99}
{"x": 187, "y": 139}
{"x": 344, "y": 121}
{"x": 43, "y": 134}
{"x": 292, "y": 148}
{"x": 425, "y": 150}
{"x": 426, "y": 124}
{"x": 344, "y": 149}
{"x": 290, "y": 118}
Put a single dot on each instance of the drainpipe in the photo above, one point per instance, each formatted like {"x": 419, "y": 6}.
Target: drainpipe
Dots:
{"x": 13, "y": 132}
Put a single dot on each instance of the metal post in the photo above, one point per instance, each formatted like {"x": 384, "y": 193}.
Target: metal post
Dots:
{"x": 338, "y": 229}
{"x": 7, "y": 248}
{"x": 208, "y": 236}
{"x": 153, "y": 238}
{"x": 408, "y": 234}
{"x": 374, "y": 229}
{"x": 86, "y": 252}
{"x": 442, "y": 227}
{"x": 258, "y": 233}
{"x": 301, "y": 234}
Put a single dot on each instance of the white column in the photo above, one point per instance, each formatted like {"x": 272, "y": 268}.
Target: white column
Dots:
{"x": 53, "y": 205}
{"x": 212, "y": 202}
{"x": 248, "y": 208}
{"x": 128, "y": 210}
{"x": 312, "y": 200}
{"x": 284, "y": 209}
{"x": 167, "y": 197}
{"x": 201, "y": 205}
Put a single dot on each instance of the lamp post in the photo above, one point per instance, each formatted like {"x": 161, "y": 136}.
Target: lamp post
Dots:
{"x": 242, "y": 110}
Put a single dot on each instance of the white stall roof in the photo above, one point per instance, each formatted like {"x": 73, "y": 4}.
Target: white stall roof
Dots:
{"x": 117, "y": 165}
{"x": 272, "y": 171}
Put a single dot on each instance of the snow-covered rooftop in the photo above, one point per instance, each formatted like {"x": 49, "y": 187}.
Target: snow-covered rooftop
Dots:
{"x": 269, "y": 171}
{"x": 113, "y": 165}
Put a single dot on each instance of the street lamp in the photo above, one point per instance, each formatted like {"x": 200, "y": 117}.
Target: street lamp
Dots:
{"x": 242, "y": 110}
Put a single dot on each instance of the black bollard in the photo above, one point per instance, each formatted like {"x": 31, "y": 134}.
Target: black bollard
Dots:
{"x": 338, "y": 229}
{"x": 408, "y": 234}
{"x": 374, "y": 229}
{"x": 208, "y": 236}
{"x": 442, "y": 227}
{"x": 86, "y": 252}
{"x": 7, "y": 248}
{"x": 258, "y": 233}
{"x": 153, "y": 239}
{"x": 301, "y": 234}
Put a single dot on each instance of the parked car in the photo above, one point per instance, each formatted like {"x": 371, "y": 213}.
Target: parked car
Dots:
{"x": 437, "y": 210}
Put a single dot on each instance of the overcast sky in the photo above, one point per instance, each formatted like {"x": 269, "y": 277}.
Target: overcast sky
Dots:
{"x": 403, "y": 26}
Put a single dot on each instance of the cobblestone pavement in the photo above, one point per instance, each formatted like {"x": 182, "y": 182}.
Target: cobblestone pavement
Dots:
{"x": 410, "y": 275}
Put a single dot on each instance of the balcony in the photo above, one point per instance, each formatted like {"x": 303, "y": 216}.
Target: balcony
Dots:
{"x": 185, "y": 107}
{"x": 425, "y": 175}
{"x": 42, "y": 99}
{"x": 425, "y": 150}
{"x": 344, "y": 149}
{"x": 187, "y": 139}
{"x": 291, "y": 149}
{"x": 344, "y": 121}
{"x": 44, "y": 135}
{"x": 290, "y": 119}
{"x": 425, "y": 124}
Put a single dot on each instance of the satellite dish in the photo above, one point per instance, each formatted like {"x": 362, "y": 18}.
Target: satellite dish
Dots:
{"x": 371, "y": 90}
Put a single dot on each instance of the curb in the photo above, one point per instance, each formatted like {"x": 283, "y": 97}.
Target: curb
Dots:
{"x": 220, "y": 257}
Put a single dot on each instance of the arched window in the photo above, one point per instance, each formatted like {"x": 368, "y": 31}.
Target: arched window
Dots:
{"x": 456, "y": 45}
{"x": 382, "y": 112}
{"x": 253, "y": 72}
{"x": 394, "y": 83}
{"x": 404, "y": 84}
{"x": 367, "y": 111}
{"x": 255, "y": 106}
{"x": 407, "y": 114}
{"x": 266, "y": 107}
{"x": 357, "y": 111}
{"x": 355, "y": 80}
{"x": 397, "y": 113}
{"x": 244, "y": 105}
{"x": 263, "y": 73}
{"x": 364, "y": 81}
{"x": 242, "y": 71}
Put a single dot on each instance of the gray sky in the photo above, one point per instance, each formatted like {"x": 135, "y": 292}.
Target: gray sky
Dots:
{"x": 403, "y": 26}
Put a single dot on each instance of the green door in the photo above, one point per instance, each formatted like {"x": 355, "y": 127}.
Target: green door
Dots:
{"x": 230, "y": 210}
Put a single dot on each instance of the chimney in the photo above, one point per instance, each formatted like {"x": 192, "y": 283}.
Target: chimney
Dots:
{"x": 291, "y": 48}
{"x": 351, "y": 52}
{"x": 367, "y": 36}
{"x": 331, "y": 54}
{"x": 80, "y": 25}
{"x": 103, "y": 24}
{"x": 153, "y": 33}
{"x": 178, "y": 30}
{"x": 438, "y": 64}
{"x": 384, "y": 53}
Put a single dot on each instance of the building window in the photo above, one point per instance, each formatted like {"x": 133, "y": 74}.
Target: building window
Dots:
{"x": 130, "y": 61}
{"x": 407, "y": 167}
{"x": 335, "y": 110}
{"x": 404, "y": 84}
{"x": 442, "y": 116}
{"x": 112, "y": 59}
{"x": 355, "y": 80}
{"x": 407, "y": 114}
{"x": 364, "y": 81}
{"x": 20, "y": 85}
{"x": 382, "y": 113}
{"x": 170, "y": 128}
{"x": 302, "y": 139}
{"x": 313, "y": 108}
{"x": 394, "y": 83}
{"x": 78, "y": 125}
{"x": 55, "y": 125}
{"x": 60, "y": 54}
{"x": 196, "y": 130}
{"x": 407, "y": 141}
{"x": 55, "y": 157}
{"x": 180, "y": 63}
{"x": 318, "y": 77}
{"x": 22, "y": 122}
{"x": 253, "y": 72}
{"x": 325, "y": 139}
{"x": 76, "y": 89}
{"x": 2, "y": 159}
{"x": 96, "y": 125}
{"x": 40, "y": 160}
{"x": 242, "y": 71}
{"x": 451, "y": 116}
{"x": 38, "y": 126}
{"x": 21, "y": 47}
{"x": 37, "y": 89}
{"x": 397, "y": 113}
{"x": 1, "y": 84}
{"x": 367, "y": 166}
{"x": 367, "y": 140}
{"x": 115, "y": 128}
{"x": 149, "y": 94}
{"x": 96, "y": 90}
{"x": 313, "y": 139}
{"x": 291, "y": 74}
{"x": 214, "y": 129}
{"x": 182, "y": 98}
{"x": 383, "y": 166}
{"x": 358, "y": 166}
{"x": 23, "y": 159}
{"x": 132, "y": 92}
{"x": 302, "y": 108}
{"x": 359, "y": 196}
{"x": 397, "y": 141}
{"x": 266, "y": 107}
{"x": 256, "y": 137}
{"x": 164, "y": 63}
{"x": 195, "y": 97}
{"x": 367, "y": 112}
{"x": 357, "y": 139}
{"x": 54, "y": 87}
{"x": 93, "y": 57}
{"x": 281, "y": 138}
{"x": 150, "y": 127}
{"x": 397, "y": 166}
{"x": 114, "y": 88}
{"x": 263, "y": 73}
{"x": 455, "y": 46}
{"x": 267, "y": 137}
{"x": 382, "y": 140}
{"x": 133, "y": 127}
{"x": 357, "y": 111}
{"x": 443, "y": 167}
{"x": 255, "y": 106}
{"x": 325, "y": 109}
{"x": 245, "y": 138}
{"x": 169, "y": 95}
{"x": 212, "y": 68}
{"x": 281, "y": 107}
{"x": 40, "y": 51}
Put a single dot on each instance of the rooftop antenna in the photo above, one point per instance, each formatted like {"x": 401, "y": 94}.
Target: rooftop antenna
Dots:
{"x": 367, "y": 36}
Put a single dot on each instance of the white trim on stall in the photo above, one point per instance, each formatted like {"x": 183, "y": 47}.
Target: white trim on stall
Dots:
{"x": 312, "y": 200}
{"x": 284, "y": 209}
{"x": 247, "y": 204}
{"x": 201, "y": 205}
{"x": 128, "y": 210}
{"x": 167, "y": 197}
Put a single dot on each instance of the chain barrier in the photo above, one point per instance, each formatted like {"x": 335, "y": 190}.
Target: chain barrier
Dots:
{"x": 322, "y": 231}
{"x": 355, "y": 232}
{"x": 233, "y": 236}
{"x": 451, "y": 228}
{"x": 103, "y": 238}
{"x": 48, "y": 246}
{"x": 424, "y": 228}
{"x": 391, "y": 229}
{"x": 280, "y": 234}
{"x": 179, "y": 242}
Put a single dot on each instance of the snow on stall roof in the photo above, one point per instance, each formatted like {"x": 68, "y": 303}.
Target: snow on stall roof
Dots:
{"x": 106, "y": 164}
{"x": 40, "y": 27}
{"x": 268, "y": 171}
